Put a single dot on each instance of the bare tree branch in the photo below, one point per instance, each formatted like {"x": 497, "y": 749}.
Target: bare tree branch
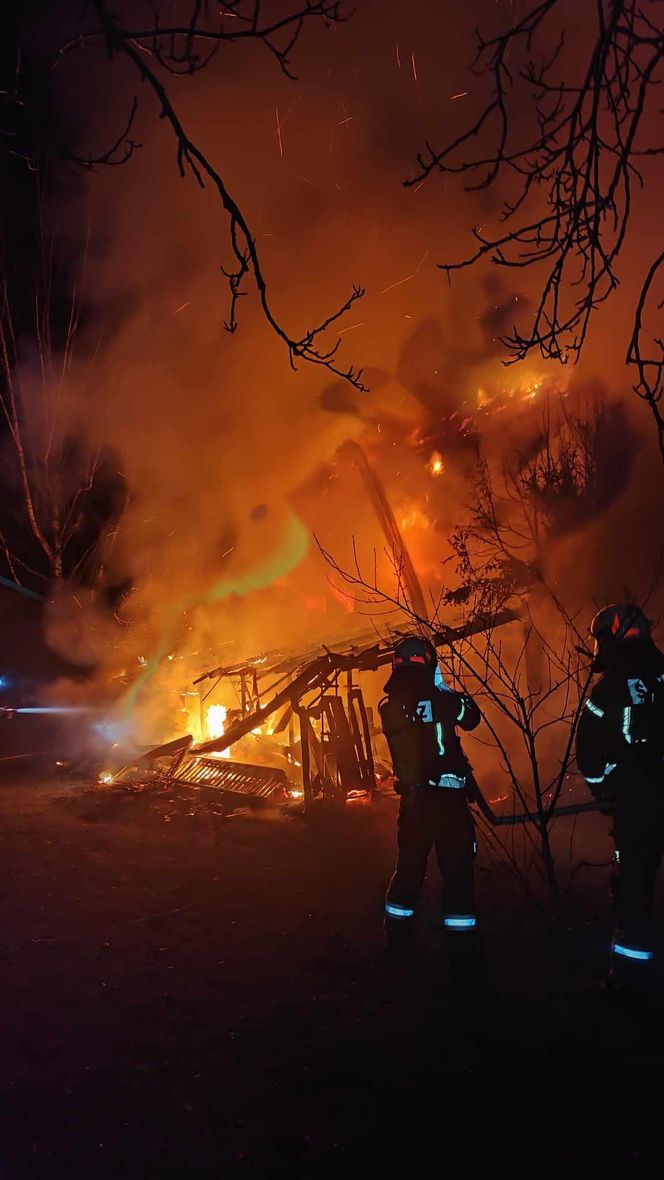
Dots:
{"x": 119, "y": 152}
{"x": 173, "y": 48}
{"x": 532, "y": 685}
{"x": 650, "y": 368}
{"x": 55, "y": 477}
{"x": 574, "y": 176}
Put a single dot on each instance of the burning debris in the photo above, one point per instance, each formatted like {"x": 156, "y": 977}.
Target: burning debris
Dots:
{"x": 315, "y": 718}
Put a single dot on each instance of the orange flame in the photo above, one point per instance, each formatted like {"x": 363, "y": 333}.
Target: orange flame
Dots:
{"x": 436, "y": 464}
{"x": 215, "y": 723}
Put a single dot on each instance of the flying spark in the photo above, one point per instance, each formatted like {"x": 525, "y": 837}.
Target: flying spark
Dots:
{"x": 346, "y": 119}
{"x": 407, "y": 278}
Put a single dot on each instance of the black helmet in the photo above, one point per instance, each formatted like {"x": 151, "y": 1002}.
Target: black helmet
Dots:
{"x": 614, "y": 629}
{"x": 618, "y": 623}
{"x": 413, "y": 652}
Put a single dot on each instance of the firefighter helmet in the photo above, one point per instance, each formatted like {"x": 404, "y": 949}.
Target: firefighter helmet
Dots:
{"x": 618, "y": 623}
{"x": 413, "y": 652}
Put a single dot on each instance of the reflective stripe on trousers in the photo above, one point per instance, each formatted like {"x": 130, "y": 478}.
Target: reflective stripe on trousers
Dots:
{"x": 629, "y": 950}
{"x": 398, "y": 911}
{"x": 460, "y": 921}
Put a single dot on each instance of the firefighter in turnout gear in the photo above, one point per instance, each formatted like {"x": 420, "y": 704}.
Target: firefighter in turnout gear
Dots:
{"x": 420, "y": 716}
{"x": 620, "y": 752}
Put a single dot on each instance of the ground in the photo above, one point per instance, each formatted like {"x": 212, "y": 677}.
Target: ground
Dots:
{"x": 191, "y": 993}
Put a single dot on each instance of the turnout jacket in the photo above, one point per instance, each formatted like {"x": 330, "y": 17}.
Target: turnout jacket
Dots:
{"x": 420, "y": 723}
{"x": 621, "y": 729}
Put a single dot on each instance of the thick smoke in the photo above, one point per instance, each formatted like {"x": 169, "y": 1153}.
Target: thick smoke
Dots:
{"x": 232, "y": 462}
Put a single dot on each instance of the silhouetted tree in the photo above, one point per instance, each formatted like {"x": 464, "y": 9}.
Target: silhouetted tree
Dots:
{"x": 573, "y": 174}
{"x": 58, "y": 494}
{"x": 182, "y": 38}
{"x": 531, "y": 677}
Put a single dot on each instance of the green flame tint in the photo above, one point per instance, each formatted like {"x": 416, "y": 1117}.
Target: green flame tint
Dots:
{"x": 291, "y": 551}
{"x": 148, "y": 671}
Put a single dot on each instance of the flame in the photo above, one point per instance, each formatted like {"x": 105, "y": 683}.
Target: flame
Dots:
{"x": 265, "y": 730}
{"x": 105, "y": 777}
{"x": 436, "y": 464}
{"x": 215, "y": 720}
{"x": 532, "y": 391}
{"x": 412, "y": 517}
{"x": 215, "y": 723}
{"x": 526, "y": 390}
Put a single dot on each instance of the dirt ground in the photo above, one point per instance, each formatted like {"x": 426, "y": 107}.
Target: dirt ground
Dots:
{"x": 188, "y": 992}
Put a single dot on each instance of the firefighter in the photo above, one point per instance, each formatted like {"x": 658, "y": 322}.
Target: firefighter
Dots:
{"x": 620, "y": 752}
{"x": 420, "y": 716}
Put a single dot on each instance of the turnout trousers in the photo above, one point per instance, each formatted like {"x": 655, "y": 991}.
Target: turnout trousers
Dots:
{"x": 638, "y": 832}
{"x": 436, "y": 817}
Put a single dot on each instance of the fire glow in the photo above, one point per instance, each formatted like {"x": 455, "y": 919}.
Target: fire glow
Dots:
{"x": 436, "y": 464}
{"x": 526, "y": 390}
{"x": 215, "y": 723}
{"x": 216, "y": 720}
{"x": 420, "y": 517}
{"x": 412, "y": 517}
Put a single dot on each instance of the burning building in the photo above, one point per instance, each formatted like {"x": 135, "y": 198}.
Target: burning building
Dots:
{"x": 231, "y": 465}
{"x": 315, "y": 699}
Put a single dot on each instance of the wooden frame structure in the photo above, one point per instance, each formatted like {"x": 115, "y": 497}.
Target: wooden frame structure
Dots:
{"x": 316, "y": 696}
